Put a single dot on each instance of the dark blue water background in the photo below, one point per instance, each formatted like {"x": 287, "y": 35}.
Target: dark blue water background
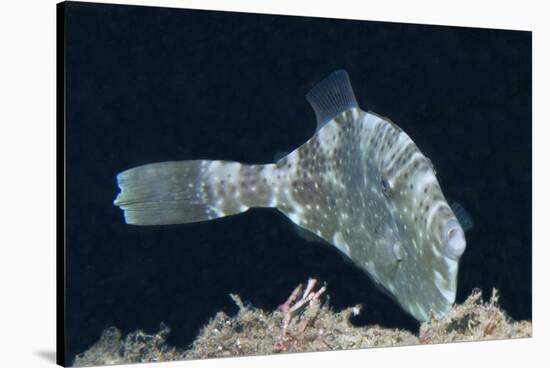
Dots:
{"x": 152, "y": 84}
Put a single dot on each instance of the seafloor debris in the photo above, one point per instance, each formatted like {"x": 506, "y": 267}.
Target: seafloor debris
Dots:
{"x": 307, "y": 325}
{"x": 474, "y": 320}
{"x": 136, "y": 347}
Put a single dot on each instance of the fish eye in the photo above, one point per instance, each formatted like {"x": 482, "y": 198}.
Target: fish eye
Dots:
{"x": 385, "y": 185}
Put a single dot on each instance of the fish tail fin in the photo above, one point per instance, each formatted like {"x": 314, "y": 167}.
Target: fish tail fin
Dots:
{"x": 177, "y": 192}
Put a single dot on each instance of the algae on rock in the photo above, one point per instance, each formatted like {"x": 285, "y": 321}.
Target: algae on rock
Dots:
{"x": 317, "y": 327}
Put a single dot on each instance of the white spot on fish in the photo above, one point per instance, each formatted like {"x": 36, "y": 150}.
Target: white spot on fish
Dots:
{"x": 328, "y": 139}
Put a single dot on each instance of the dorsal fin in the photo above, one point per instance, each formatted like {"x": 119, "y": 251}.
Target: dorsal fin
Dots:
{"x": 331, "y": 96}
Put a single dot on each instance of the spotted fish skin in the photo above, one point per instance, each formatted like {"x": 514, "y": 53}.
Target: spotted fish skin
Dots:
{"x": 360, "y": 183}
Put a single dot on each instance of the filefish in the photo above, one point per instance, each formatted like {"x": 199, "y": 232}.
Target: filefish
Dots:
{"x": 360, "y": 183}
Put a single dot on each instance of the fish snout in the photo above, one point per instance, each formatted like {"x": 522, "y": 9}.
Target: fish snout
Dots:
{"x": 454, "y": 240}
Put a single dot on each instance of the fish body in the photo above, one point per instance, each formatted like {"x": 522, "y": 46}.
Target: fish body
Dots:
{"x": 359, "y": 182}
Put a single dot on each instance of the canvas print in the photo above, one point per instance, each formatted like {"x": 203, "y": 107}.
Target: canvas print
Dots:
{"x": 252, "y": 184}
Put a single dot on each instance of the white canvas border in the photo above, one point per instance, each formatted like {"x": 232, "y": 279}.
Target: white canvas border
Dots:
{"x": 27, "y": 149}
